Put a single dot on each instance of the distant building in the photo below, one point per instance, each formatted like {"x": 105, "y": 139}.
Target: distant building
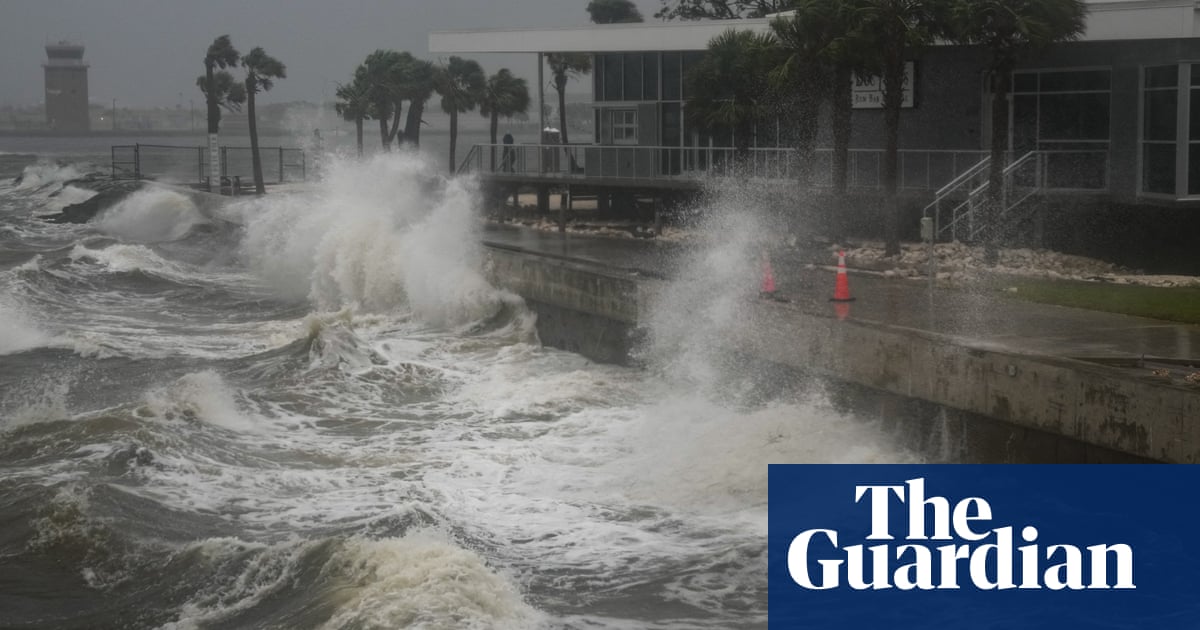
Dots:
{"x": 66, "y": 88}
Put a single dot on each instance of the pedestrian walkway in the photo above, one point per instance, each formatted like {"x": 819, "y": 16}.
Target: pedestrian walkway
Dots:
{"x": 979, "y": 319}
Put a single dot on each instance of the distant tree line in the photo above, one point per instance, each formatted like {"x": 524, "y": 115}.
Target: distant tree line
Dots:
{"x": 387, "y": 81}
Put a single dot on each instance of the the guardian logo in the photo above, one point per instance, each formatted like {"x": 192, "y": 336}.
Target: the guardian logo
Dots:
{"x": 949, "y": 546}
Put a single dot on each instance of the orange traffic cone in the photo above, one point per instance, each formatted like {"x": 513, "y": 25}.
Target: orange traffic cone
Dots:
{"x": 841, "y": 288}
{"x": 768, "y": 278}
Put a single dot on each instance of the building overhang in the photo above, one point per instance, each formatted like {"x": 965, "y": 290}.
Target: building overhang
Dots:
{"x": 590, "y": 39}
{"x": 1106, "y": 20}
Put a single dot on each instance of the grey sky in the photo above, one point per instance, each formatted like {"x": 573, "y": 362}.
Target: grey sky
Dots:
{"x": 148, "y": 52}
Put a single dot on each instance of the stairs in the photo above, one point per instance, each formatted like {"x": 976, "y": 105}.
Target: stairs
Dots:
{"x": 959, "y": 210}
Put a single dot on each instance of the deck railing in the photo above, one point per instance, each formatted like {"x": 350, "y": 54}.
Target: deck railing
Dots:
{"x": 917, "y": 169}
{"x": 189, "y": 164}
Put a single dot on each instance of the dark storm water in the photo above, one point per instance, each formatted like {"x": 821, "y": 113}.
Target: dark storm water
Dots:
{"x": 311, "y": 411}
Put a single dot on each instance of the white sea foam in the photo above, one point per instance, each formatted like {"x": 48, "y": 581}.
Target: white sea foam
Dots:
{"x": 422, "y": 580}
{"x": 152, "y": 215}
{"x": 203, "y": 397}
{"x": 47, "y": 176}
{"x": 69, "y": 195}
{"x": 382, "y": 234}
{"x": 17, "y": 332}
{"x": 419, "y": 580}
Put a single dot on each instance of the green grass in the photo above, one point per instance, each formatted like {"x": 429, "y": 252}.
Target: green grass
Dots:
{"x": 1176, "y": 304}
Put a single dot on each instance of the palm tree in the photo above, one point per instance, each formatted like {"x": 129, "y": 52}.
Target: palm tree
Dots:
{"x": 460, "y": 82}
{"x": 261, "y": 72}
{"x": 613, "y": 11}
{"x": 417, "y": 89}
{"x": 719, "y": 9}
{"x": 563, "y": 66}
{"x": 503, "y": 95}
{"x": 354, "y": 103}
{"x": 1008, "y": 31}
{"x": 893, "y": 32}
{"x": 384, "y": 74}
{"x": 805, "y": 76}
{"x": 730, "y": 87}
{"x": 219, "y": 90}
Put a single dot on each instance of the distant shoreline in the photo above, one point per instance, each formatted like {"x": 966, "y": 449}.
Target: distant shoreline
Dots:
{"x": 129, "y": 133}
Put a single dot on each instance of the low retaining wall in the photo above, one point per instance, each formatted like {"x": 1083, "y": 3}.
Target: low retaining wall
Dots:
{"x": 595, "y": 310}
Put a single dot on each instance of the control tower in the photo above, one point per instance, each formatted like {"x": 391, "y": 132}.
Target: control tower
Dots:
{"x": 66, "y": 88}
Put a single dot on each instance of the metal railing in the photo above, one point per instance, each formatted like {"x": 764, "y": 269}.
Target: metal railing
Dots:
{"x": 917, "y": 169}
{"x": 189, "y": 164}
{"x": 1023, "y": 179}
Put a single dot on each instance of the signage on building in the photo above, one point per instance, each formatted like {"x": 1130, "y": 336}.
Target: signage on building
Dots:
{"x": 868, "y": 91}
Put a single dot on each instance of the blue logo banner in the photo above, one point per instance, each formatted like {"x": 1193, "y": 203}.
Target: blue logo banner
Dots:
{"x": 984, "y": 546}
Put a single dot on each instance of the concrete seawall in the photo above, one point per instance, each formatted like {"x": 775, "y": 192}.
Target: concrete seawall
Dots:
{"x": 1052, "y": 409}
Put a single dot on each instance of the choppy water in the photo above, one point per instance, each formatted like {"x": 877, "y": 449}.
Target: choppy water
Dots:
{"x": 311, "y": 411}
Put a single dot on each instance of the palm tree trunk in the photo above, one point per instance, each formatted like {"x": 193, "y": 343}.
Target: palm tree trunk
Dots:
{"x": 383, "y": 133}
{"x": 358, "y": 131}
{"x": 562, "y": 121}
{"x": 412, "y": 124}
{"x": 395, "y": 124}
{"x": 493, "y": 128}
{"x": 995, "y": 194}
{"x": 843, "y": 102}
{"x": 214, "y": 122}
{"x": 453, "y": 137}
{"x": 893, "y": 95}
{"x": 256, "y": 160}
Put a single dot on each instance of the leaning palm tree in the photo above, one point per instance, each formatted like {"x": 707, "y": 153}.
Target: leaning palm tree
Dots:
{"x": 461, "y": 83}
{"x": 261, "y": 72}
{"x": 503, "y": 95}
{"x": 895, "y": 31}
{"x": 354, "y": 104}
{"x": 563, "y": 66}
{"x": 384, "y": 75}
{"x": 219, "y": 91}
{"x": 730, "y": 88}
{"x": 417, "y": 88}
{"x": 1008, "y": 31}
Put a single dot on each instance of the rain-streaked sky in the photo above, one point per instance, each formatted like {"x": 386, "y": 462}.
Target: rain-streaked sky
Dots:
{"x": 149, "y": 52}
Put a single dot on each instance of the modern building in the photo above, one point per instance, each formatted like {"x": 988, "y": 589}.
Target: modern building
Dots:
{"x": 1104, "y": 132}
{"x": 66, "y": 88}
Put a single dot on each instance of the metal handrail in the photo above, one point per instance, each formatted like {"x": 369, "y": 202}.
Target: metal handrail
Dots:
{"x": 970, "y": 203}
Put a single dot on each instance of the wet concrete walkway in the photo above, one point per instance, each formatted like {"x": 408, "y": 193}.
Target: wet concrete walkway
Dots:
{"x": 980, "y": 319}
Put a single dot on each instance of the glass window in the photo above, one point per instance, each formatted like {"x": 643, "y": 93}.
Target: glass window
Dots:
{"x": 624, "y": 126}
{"x": 1074, "y": 116}
{"x": 1075, "y": 81}
{"x": 671, "y": 76}
{"x": 612, "y": 77}
{"x": 690, "y": 60}
{"x": 598, "y": 78}
{"x": 1158, "y": 168}
{"x": 1194, "y": 169}
{"x": 1025, "y": 82}
{"x": 1158, "y": 112}
{"x": 650, "y": 76}
{"x": 1162, "y": 76}
{"x": 633, "y": 77}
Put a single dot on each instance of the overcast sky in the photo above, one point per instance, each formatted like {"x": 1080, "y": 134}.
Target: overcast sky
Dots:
{"x": 149, "y": 52}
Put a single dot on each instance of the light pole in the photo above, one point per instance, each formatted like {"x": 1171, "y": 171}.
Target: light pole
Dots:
{"x": 114, "y": 114}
